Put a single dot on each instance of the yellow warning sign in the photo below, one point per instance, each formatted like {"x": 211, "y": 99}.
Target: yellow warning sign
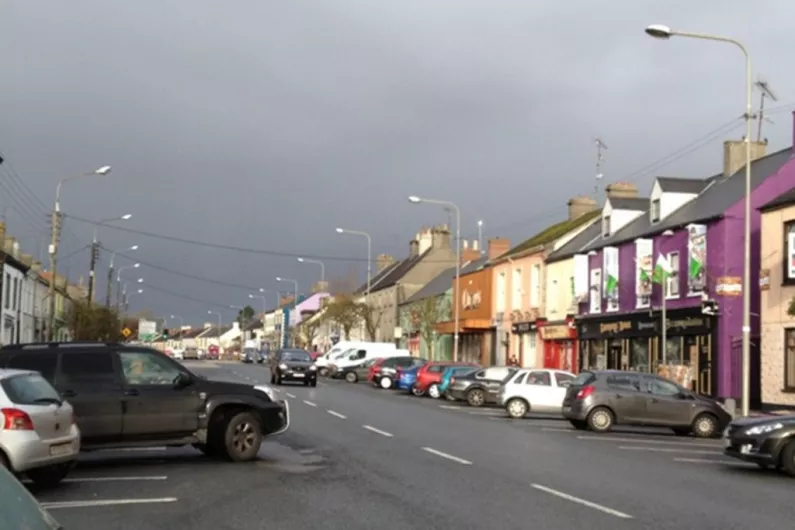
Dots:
{"x": 126, "y": 332}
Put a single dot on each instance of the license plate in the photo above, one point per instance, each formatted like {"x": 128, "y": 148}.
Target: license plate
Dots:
{"x": 298, "y": 375}
{"x": 61, "y": 449}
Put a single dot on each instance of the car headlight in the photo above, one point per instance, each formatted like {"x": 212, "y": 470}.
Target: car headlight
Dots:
{"x": 268, "y": 391}
{"x": 282, "y": 366}
{"x": 764, "y": 429}
{"x": 313, "y": 367}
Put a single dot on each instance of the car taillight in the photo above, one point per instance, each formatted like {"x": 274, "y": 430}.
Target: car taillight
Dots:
{"x": 585, "y": 392}
{"x": 17, "y": 420}
{"x": 452, "y": 380}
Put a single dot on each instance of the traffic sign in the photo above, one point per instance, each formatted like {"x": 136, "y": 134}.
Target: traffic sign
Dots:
{"x": 126, "y": 332}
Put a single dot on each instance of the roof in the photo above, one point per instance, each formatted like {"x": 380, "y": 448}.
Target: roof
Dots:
{"x": 577, "y": 243}
{"x": 551, "y": 233}
{"x": 189, "y": 333}
{"x": 638, "y": 204}
{"x": 378, "y": 276}
{"x": 475, "y": 265}
{"x": 400, "y": 269}
{"x": 435, "y": 287}
{"x": 785, "y": 199}
{"x": 718, "y": 195}
{"x": 680, "y": 185}
{"x": 212, "y": 332}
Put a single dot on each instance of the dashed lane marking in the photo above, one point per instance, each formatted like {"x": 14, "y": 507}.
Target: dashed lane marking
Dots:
{"x": 289, "y": 395}
{"x": 583, "y": 502}
{"x": 377, "y": 431}
{"x": 310, "y": 403}
{"x": 446, "y": 455}
{"x": 107, "y": 502}
{"x": 337, "y": 414}
{"x": 667, "y": 450}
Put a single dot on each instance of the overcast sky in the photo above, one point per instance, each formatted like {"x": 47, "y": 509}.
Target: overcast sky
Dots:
{"x": 267, "y": 124}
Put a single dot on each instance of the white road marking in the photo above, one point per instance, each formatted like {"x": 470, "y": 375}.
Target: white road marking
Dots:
{"x": 133, "y": 449}
{"x": 377, "y": 431}
{"x": 448, "y": 407}
{"x": 337, "y": 414}
{"x": 557, "y": 429}
{"x": 640, "y": 441}
{"x": 447, "y": 456}
{"x": 667, "y": 450}
{"x": 108, "y": 502}
{"x": 107, "y": 479}
{"x": 310, "y": 403}
{"x": 289, "y": 395}
{"x": 708, "y": 461}
{"x": 583, "y": 502}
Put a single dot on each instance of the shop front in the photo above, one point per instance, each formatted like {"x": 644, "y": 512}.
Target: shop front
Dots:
{"x": 474, "y": 339}
{"x": 560, "y": 344}
{"x": 634, "y": 342}
{"x": 525, "y": 344}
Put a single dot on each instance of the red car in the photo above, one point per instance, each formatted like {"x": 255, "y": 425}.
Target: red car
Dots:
{"x": 430, "y": 375}
{"x": 375, "y": 369}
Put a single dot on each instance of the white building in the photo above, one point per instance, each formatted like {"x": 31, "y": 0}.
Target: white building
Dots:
{"x": 13, "y": 281}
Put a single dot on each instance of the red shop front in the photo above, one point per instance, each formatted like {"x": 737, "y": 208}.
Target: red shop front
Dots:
{"x": 560, "y": 344}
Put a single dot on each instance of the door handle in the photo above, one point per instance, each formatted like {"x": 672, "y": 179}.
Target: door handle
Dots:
{"x": 68, "y": 393}
{"x": 131, "y": 392}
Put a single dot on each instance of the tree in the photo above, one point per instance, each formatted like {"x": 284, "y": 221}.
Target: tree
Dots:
{"x": 343, "y": 311}
{"x": 89, "y": 322}
{"x": 371, "y": 317}
{"x": 245, "y": 314}
{"x": 424, "y": 316}
{"x": 308, "y": 329}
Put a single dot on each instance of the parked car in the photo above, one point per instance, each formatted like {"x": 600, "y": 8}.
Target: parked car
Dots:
{"x": 406, "y": 377}
{"x": 534, "y": 390}
{"x": 479, "y": 387}
{"x": 449, "y": 374}
{"x": 598, "y": 400}
{"x": 769, "y": 442}
{"x": 19, "y": 509}
{"x": 133, "y": 396}
{"x": 384, "y": 372}
{"x": 354, "y": 374}
{"x": 293, "y": 365}
{"x": 430, "y": 375}
{"x": 39, "y": 436}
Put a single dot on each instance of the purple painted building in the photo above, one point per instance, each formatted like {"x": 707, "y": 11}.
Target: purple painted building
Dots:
{"x": 697, "y": 226}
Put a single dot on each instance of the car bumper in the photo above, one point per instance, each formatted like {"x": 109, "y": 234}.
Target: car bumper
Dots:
{"x": 575, "y": 411}
{"x": 298, "y": 376}
{"x": 25, "y": 450}
{"x": 277, "y": 420}
{"x": 753, "y": 449}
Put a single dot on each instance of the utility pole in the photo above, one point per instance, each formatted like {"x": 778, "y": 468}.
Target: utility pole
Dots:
{"x": 53, "y": 250}
{"x": 767, "y": 92}
{"x": 91, "y": 271}
{"x": 110, "y": 286}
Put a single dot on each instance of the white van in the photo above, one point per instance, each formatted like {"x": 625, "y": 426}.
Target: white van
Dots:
{"x": 339, "y": 349}
{"x": 363, "y": 353}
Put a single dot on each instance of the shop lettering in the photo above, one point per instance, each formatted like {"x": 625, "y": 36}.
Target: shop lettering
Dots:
{"x": 685, "y": 323}
{"x": 646, "y": 325}
{"x": 555, "y": 332}
{"x": 615, "y": 327}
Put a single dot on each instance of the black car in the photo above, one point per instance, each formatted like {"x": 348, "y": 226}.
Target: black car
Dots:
{"x": 293, "y": 365}
{"x": 767, "y": 441}
{"x": 133, "y": 396}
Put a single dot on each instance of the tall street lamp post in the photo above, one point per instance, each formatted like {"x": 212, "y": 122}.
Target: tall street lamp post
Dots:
{"x": 369, "y": 253}
{"x": 110, "y": 274}
{"x": 316, "y": 262}
{"x": 118, "y": 283}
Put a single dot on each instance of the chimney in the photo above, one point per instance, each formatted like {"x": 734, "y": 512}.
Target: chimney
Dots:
{"x": 621, "y": 190}
{"x": 498, "y": 246}
{"x": 475, "y": 245}
{"x": 8, "y": 245}
{"x": 440, "y": 237}
{"x": 35, "y": 266}
{"x": 469, "y": 254}
{"x": 26, "y": 259}
{"x": 384, "y": 260}
{"x": 414, "y": 247}
{"x": 320, "y": 287}
{"x": 734, "y": 155}
{"x": 579, "y": 206}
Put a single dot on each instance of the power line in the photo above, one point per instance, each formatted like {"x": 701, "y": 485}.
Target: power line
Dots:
{"x": 147, "y": 287}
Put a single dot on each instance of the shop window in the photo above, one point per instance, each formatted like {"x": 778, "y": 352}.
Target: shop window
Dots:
{"x": 596, "y": 359}
{"x": 516, "y": 284}
{"x": 672, "y": 282}
{"x": 639, "y": 355}
{"x": 789, "y": 253}
{"x": 789, "y": 359}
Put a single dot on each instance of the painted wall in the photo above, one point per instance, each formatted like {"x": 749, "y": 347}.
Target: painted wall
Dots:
{"x": 559, "y": 299}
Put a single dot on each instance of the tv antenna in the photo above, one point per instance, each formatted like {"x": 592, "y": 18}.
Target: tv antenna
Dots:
{"x": 767, "y": 92}
{"x": 601, "y": 147}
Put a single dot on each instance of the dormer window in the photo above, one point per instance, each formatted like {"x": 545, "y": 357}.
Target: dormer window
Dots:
{"x": 606, "y": 226}
{"x": 655, "y": 211}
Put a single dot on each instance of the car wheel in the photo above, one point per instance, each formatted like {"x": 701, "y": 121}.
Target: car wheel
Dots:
{"x": 787, "y": 462}
{"x": 385, "y": 383}
{"x": 313, "y": 383}
{"x": 351, "y": 377}
{"x": 416, "y": 391}
{"x": 323, "y": 372}
{"x": 600, "y": 419}
{"x": 476, "y": 397}
{"x": 705, "y": 426}
{"x": 242, "y": 437}
{"x": 49, "y": 476}
{"x": 517, "y": 408}
{"x": 433, "y": 391}
{"x": 579, "y": 425}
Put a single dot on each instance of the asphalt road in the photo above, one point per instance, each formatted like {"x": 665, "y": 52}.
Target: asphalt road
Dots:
{"x": 361, "y": 458}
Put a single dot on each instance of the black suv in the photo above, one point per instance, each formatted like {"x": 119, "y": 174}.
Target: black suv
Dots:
{"x": 293, "y": 364}
{"x": 133, "y": 396}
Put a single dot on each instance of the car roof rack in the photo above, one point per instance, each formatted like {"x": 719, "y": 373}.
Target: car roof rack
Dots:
{"x": 60, "y": 345}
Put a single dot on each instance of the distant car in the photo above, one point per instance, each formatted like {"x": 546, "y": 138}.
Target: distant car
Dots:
{"x": 768, "y": 442}
{"x": 19, "y": 509}
{"x": 354, "y": 374}
{"x": 534, "y": 390}
{"x": 384, "y": 374}
{"x": 250, "y": 356}
{"x": 430, "y": 375}
{"x": 598, "y": 400}
{"x": 406, "y": 377}
{"x": 479, "y": 387}
{"x": 178, "y": 354}
{"x": 293, "y": 365}
{"x": 39, "y": 436}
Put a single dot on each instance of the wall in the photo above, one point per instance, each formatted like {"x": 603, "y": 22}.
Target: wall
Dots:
{"x": 774, "y": 303}
{"x": 559, "y": 300}
{"x": 442, "y": 344}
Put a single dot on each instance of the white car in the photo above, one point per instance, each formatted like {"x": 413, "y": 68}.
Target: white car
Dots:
{"x": 39, "y": 436}
{"x": 178, "y": 354}
{"x": 536, "y": 390}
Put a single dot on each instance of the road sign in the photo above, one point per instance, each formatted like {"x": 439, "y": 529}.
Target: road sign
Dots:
{"x": 147, "y": 330}
{"x": 126, "y": 332}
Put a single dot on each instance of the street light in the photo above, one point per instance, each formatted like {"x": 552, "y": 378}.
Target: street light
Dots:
{"x": 219, "y": 325}
{"x": 369, "y": 252}
{"x": 110, "y": 275}
{"x": 664, "y": 32}
{"x": 95, "y": 251}
{"x": 316, "y": 262}
{"x": 456, "y": 303}
{"x": 295, "y": 285}
{"x": 55, "y": 231}
{"x": 118, "y": 283}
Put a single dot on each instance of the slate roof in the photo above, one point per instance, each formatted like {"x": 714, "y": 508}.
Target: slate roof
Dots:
{"x": 680, "y": 185}
{"x": 394, "y": 274}
{"x": 212, "y": 333}
{"x": 785, "y": 199}
{"x": 380, "y": 275}
{"x": 444, "y": 281}
{"x": 550, "y": 234}
{"x": 717, "y": 196}
{"x": 577, "y": 243}
{"x": 638, "y": 204}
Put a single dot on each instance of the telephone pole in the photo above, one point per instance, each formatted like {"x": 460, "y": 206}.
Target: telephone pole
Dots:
{"x": 91, "y": 271}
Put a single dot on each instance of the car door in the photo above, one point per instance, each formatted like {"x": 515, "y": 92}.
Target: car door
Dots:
{"x": 491, "y": 380}
{"x": 154, "y": 405}
{"x": 88, "y": 380}
{"x": 625, "y": 398}
{"x": 664, "y": 403}
{"x": 539, "y": 391}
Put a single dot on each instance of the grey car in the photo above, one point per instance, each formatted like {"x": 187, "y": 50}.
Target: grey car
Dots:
{"x": 599, "y": 400}
{"x": 479, "y": 387}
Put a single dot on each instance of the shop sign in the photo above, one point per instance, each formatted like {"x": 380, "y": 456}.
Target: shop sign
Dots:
{"x": 683, "y": 322}
{"x": 728, "y": 286}
{"x": 559, "y": 332}
{"x": 764, "y": 279}
{"x": 523, "y": 327}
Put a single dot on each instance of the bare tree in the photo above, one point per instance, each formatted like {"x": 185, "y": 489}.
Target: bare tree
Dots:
{"x": 371, "y": 317}
{"x": 425, "y": 316}
{"x": 344, "y": 312}
{"x": 308, "y": 329}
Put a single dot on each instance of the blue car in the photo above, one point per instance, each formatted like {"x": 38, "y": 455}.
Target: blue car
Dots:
{"x": 449, "y": 373}
{"x": 408, "y": 376}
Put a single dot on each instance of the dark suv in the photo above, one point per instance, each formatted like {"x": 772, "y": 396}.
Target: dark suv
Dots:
{"x": 293, "y": 364}
{"x": 133, "y": 396}
{"x": 598, "y": 400}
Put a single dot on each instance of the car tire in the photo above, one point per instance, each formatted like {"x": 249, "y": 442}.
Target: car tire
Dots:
{"x": 242, "y": 437}
{"x": 385, "y": 383}
{"x": 580, "y": 425}
{"x": 433, "y": 391}
{"x": 351, "y": 377}
{"x": 416, "y": 392}
{"x": 313, "y": 383}
{"x": 323, "y": 372}
{"x": 705, "y": 426}
{"x": 49, "y": 476}
{"x": 476, "y": 397}
{"x": 517, "y": 408}
{"x": 600, "y": 419}
{"x": 787, "y": 459}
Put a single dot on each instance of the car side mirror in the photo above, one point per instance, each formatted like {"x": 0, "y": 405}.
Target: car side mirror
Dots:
{"x": 565, "y": 384}
{"x": 684, "y": 395}
{"x": 183, "y": 380}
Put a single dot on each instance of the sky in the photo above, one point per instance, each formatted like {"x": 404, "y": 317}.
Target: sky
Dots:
{"x": 264, "y": 125}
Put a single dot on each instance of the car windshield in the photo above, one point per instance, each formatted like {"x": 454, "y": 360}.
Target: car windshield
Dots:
{"x": 296, "y": 356}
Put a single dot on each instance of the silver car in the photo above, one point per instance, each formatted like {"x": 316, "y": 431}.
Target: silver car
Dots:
{"x": 39, "y": 436}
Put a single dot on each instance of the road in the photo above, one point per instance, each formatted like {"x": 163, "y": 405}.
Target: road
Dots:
{"x": 361, "y": 458}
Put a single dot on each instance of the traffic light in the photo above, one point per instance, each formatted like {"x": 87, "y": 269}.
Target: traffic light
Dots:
{"x": 165, "y": 333}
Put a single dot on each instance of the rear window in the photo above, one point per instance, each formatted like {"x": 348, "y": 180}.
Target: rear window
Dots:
{"x": 623, "y": 382}
{"x": 436, "y": 368}
{"x": 584, "y": 378}
{"x": 30, "y": 389}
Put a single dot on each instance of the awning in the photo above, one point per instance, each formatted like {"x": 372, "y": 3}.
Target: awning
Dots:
{"x": 467, "y": 325}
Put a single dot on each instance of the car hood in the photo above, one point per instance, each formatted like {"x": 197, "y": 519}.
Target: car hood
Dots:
{"x": 212, "y": 386}
{"x": 761, "y": 420}
{"x": 297, "y": 364}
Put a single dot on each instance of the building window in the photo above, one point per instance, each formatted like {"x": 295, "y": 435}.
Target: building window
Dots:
{"x": 606, "y": 226}
{"x": 655, "y": 211}
{"x": 15, "y": 304}
{"x": 789, "y": 359}
{"x": 7, "y": 292}
{"x": 672, "y": 282}
{"x": 516, "y": 286}
{"x": 501, "y": 292}
{"x": 535, "y": 286}
{"x": 789, "y": 252}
